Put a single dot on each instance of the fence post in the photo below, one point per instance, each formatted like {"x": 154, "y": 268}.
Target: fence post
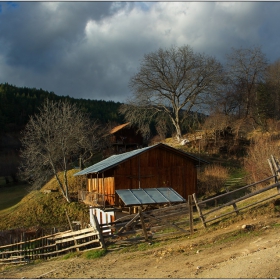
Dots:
{"x": 190, "y": 213}
{"x": 272, "y": 170}
{"x": 75, "y": 241}
{"x": 233, "y": 204}
{"x": 143, "y": 223}
{"x": 100, "y": 234}
{"x": 276, "y": 168}
{"x": 199, "y": 210}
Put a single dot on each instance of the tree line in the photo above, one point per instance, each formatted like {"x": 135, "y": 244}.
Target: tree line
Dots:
{"x": 18, "y": 104}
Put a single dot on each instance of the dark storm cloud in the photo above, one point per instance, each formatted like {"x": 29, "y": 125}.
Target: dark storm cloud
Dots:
{"x": 91, "y": 49}
{"x": 37, "y": 34}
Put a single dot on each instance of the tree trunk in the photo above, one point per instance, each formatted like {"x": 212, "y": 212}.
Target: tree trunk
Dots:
{"x": 178, "y": 133}
{"x": 176, "y": 122}
{"x": 64, "y": 191}
{"x": 178, "y": 130}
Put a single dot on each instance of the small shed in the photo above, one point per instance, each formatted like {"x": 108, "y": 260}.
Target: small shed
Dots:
{"x": 155, "y": 166}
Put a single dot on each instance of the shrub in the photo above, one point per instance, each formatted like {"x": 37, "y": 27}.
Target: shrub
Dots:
{"x": 212, "y": 179}
{"x": 256, "y": 163}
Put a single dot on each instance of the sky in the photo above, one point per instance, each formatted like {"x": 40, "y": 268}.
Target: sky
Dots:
{"x": 90, "y": 50}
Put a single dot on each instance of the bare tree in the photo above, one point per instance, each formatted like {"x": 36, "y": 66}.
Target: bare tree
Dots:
{"x": 246, "y": 70}
{"x": 52, "y": 140}
{"x": 172, "y": 82}
{"x": 273, "y": 82}
{"x": 274, "y": 73}
{"x": 227, "y": 99}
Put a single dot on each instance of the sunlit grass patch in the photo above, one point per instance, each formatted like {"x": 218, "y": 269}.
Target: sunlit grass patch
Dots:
{"x": 94, "y": 254}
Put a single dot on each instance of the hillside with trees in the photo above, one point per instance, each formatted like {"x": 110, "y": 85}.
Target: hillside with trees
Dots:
{"x": 229, "y": 110}
{"x": 240, "y": 101}
{"x": 174, "y": 83}
{"x": 18, "y": 104}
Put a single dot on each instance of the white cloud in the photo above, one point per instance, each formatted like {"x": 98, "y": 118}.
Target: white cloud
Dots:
{"x": 91, "y": 49}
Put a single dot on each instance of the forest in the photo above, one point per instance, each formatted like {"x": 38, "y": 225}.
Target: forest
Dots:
{"x": 17, "y": 104}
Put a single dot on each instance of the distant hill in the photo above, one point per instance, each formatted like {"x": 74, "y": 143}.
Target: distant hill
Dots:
{"x": 17, "y": 104}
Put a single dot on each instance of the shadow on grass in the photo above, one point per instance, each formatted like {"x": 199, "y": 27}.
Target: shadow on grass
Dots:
{"x": 11, "y": 195}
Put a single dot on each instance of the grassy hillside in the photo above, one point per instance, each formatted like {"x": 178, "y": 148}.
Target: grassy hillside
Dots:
{"x": 11, "y": 195}
{"x": 38, "y": 208}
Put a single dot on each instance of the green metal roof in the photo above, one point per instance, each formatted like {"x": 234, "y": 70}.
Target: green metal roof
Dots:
{"x": 115, "y": 160}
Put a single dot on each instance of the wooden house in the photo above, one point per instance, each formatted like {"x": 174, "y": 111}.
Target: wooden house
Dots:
{"x": 125, "y": 138}
{"x": 155, "y": 166}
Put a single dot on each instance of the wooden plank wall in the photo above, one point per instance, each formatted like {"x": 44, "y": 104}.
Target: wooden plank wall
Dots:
{"x": 96, "y": 185}
{"x": 158, "y": 168}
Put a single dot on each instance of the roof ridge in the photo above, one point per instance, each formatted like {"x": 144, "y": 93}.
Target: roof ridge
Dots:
{"x": 115, "y": 160}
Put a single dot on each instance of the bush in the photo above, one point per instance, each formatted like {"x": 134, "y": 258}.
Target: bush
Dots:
{"x": 212, "y": 179}
{"x": 256, "y": 163}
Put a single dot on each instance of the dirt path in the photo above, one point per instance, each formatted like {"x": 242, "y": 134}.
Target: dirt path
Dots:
{"x": 224, "y": 253}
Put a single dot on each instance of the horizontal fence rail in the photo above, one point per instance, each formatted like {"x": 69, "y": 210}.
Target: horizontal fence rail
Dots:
{"x": 50, "y": 246}
{"x": 231, "y": 198}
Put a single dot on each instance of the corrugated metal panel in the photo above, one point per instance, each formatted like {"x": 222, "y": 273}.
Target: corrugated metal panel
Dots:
{"x": 111, "y": 162}
{"x": 149, "y": 196}
{"x": 117, "y": 159}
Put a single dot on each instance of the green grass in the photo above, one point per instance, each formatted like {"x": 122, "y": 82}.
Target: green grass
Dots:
{"x": 94, "y": 254}
{"x": 237, "y": 235}
{"x": 71, "y": 255}
{"x": 11, "y": 195}
{"x": 21, "y": 207}
{"x": 277, "y": 225}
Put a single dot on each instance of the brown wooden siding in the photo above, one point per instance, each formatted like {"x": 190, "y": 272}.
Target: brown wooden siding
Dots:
{"x": 96, "y": 185}
{"x": 158, "y": 168}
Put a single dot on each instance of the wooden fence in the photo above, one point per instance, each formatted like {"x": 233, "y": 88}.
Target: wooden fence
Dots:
{"x": 144, "y": 225}
{"x": 240, "y": 195}
{"x": 147, "y": 225}
{"x": 51, "y": 245}
{"x": 208, "y": 209}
